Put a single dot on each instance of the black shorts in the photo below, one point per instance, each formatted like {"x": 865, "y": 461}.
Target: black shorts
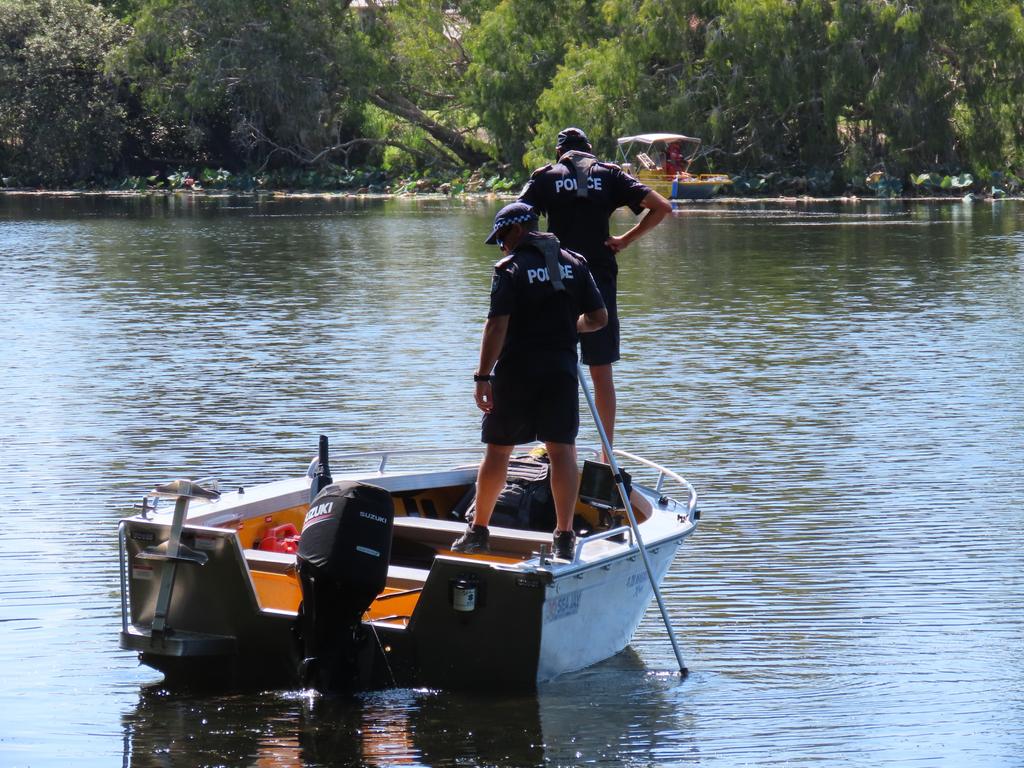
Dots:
{"x": 602, "y": 347}
{"x": 530, "y": 405}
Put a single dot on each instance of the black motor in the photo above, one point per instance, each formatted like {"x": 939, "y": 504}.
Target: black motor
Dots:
{"x": 343, "y": 560}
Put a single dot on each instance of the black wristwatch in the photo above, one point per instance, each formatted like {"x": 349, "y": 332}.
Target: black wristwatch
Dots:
{"x": 482, "y": 377}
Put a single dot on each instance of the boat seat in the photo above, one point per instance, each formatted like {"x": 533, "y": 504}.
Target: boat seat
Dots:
{"x": 406, "y": 578}
{"x": 441, "y": 534}
{"x": 282, "y": 562}
{"x": 273, "y": 562}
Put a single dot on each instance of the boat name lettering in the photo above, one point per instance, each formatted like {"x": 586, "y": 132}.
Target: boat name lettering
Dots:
{"x": 376, "y": 518}
{"x": 316, "y": 514}
{"x": 569, "y": 184}
{"x": 638, "y": 582}
{"x": 143, "y": 536}
{"x": 526, "y": 581}
{"x": 636, "y": 578}
{"x": 562, "y": 606}
{"x": 541, "y": 275}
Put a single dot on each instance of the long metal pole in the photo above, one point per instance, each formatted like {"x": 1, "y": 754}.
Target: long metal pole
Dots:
{"x": 632, "y": 518}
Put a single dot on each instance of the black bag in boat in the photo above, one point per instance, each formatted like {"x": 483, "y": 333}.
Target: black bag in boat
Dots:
{"x": 526, "y": 501}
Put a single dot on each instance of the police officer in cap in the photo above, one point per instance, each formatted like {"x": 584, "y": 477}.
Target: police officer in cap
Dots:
{"x": 542, "y": 297}
{"x": 579, "y": 193}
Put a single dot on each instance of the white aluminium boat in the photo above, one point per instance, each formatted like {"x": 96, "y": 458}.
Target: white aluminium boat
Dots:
{"x": 218, "y": 592}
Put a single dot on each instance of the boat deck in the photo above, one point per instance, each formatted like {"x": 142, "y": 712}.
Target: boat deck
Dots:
{"x": 276, "y": 580}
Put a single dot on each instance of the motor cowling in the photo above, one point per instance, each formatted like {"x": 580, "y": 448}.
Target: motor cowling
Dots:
{"x": 342, "y": 561}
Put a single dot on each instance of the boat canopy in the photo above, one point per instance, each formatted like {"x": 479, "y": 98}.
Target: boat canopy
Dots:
{"x": 654, "y": 138}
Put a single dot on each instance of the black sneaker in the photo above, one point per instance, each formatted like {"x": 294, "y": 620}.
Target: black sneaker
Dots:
{"x": 474, "y": 540}
{"x": 564, "y": 545}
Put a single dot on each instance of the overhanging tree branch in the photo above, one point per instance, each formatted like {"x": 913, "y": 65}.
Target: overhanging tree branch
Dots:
{"x": 307, "y": 156}
{"x": 452, "y": 140}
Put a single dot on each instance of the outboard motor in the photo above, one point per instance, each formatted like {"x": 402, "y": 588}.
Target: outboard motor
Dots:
{"x": 343, "y": 557}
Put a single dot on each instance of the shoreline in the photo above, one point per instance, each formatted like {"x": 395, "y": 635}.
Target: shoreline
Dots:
{"x": 355, "y": 195}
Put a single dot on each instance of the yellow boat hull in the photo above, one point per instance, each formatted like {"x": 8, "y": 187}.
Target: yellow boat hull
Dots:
{"x": 684, "y": 186}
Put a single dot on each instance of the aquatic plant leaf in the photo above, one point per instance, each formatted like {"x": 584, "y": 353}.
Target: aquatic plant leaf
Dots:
{"x": 927, "y": 180}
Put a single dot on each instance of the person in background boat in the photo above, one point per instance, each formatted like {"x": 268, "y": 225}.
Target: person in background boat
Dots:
{"x": 579, "y": 193}
{"x": 674, "y": 162}
{"x": 542, "y": 297}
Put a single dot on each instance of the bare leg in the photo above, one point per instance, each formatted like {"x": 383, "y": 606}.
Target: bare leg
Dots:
{"x": 604, "y": 399}
{"x": 490, "y": 480}
{"x": 565, "y": 482}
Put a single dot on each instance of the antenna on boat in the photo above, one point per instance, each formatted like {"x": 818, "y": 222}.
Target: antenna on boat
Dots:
{"x": 620, "y": 482}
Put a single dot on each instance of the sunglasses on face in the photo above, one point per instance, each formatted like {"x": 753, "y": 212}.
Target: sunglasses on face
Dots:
{"x": 499, "y": 239}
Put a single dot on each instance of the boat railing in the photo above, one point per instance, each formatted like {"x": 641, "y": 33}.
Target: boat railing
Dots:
{"x": 612, "y": 533}
{"x": 382, "y": 457}
{"x": 122, "y": 545}
{"x": 663, "y": 475}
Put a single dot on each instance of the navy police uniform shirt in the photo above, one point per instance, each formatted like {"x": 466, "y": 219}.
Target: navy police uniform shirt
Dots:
{"x": 542, "y": 321}
{"x": 581, "y": 223}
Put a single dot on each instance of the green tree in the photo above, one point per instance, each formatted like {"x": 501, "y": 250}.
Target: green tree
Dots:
{"x": 801, "y": 84}
{"x": 265, "y": 80}
{"x": 288, "y": 83}
{"x": 894, "y": 81}
{"x": 597, "y": 88}
{"x": 420, "y": 71}
{"x": 790, "y": 85}
{"x": 514, "y": 52}
{"x": 748, "y": 75}
{"x": 989, "y": 60}
{"x": 60, "y": 117}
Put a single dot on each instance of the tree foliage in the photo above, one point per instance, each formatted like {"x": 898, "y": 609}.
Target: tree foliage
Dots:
{"x": 254, "y": 81}
{"x": 515, "y": 50}
{"x": 61, "y": 120}
{"x": 799, "y": 84}
{"x": 842, "y": 87}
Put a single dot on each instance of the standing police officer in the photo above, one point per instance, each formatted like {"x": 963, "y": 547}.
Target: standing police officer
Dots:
{"x": 579, "y": 193}
{"x": 542, "y": 297}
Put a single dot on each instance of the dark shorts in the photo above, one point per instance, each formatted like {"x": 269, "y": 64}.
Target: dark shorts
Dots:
{"x": 602, "y": 347}
{"x": 529, "y": 406}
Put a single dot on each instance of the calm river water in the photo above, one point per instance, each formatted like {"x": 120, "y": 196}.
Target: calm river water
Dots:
{"x": 841, "y": 382}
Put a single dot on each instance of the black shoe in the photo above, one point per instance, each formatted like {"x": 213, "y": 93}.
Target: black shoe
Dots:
{"x": 564, "y": 545}
{"x": 474, "y": 540}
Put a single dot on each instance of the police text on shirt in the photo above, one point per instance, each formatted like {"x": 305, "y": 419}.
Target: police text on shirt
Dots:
{"x": 540, "y": 274}
{"x": 570, "y": 185}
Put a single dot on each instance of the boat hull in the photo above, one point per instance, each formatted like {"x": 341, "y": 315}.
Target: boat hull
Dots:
{"x": 695, "y": 188}
{"x": 592, "y": 615}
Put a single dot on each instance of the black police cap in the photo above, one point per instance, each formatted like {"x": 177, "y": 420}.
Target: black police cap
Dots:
{"x": 572, "y": 138}
{"x": 513, "y": 213}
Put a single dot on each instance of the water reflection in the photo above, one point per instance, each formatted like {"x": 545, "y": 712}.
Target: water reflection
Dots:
{"x": 609, "y": 715}
{"x": 382, "y": 729}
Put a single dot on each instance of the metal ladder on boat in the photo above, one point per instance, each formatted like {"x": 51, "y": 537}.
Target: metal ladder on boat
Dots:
{"x": 172, "y": 551}
{"x": 170, "y": 554}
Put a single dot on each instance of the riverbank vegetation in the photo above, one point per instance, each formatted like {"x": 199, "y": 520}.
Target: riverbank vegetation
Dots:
{"x": 802, "y": 96}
